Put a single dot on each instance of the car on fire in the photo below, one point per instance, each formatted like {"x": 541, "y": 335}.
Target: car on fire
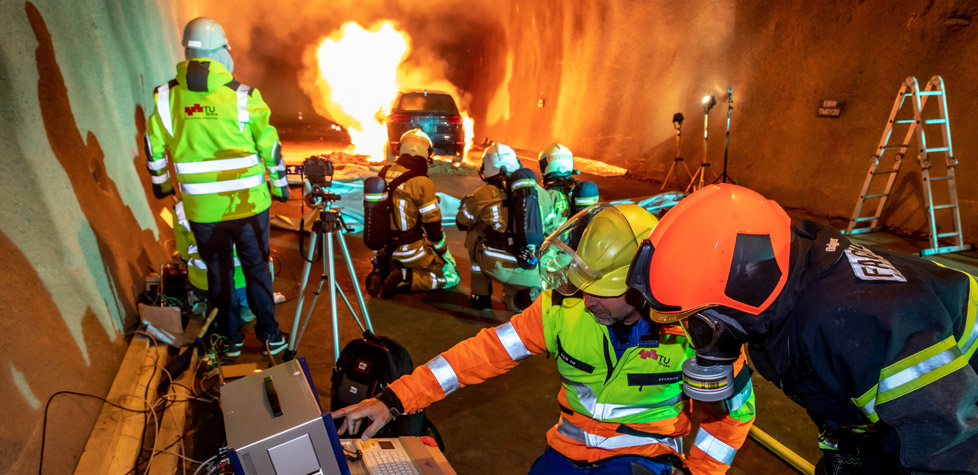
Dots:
{"x": 434, "y": 112}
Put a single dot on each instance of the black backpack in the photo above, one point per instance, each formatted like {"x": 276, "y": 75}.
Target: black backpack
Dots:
{"x": 367, "y": 365}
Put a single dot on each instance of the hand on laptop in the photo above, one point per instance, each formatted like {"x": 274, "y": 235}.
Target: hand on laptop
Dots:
{"x": 372, "y": 409}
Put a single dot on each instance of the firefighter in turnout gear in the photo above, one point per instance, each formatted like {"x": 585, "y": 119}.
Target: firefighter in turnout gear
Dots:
{"x": 622, "y": 403}
{"x": 419, "y": 255}
{"x": 489, "y": 215}
{"x": 569, "y": 195}
{"x": 877, "y": 346}
{"x": 216, "y": 132}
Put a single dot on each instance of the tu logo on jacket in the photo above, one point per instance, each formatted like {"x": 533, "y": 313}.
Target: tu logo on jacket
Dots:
{"x": 209, "y": 111}
{"x": 646, "y": 354}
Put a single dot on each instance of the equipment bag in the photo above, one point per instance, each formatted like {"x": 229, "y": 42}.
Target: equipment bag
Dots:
{"x": 365, "y": 367}
{"x": 525, "y": 221}
{"x": 585, "y": 194}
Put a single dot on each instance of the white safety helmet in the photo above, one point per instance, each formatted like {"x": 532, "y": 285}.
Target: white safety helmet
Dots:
{"x": 204, "y": 34}
{"x": 556, "y": 160}
{"x": 417, "y": 143}
{"x": 498, "y": 158}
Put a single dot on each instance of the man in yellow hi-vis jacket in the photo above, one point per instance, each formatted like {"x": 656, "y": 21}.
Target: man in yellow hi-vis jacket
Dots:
{"x": 217, "y": 133}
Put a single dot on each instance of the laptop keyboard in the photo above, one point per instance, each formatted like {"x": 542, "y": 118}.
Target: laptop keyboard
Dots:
{"x": 388, "y": 462}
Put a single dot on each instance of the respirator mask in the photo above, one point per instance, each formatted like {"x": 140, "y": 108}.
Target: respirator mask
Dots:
{"x": 717, "y": 340}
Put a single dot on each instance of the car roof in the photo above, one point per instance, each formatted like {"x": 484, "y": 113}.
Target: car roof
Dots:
{"x": 423, "y": 91}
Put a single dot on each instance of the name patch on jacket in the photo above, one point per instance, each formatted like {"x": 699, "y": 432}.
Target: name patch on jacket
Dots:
{"x": 867, "y": 265}
{"x": 576, "y": 363}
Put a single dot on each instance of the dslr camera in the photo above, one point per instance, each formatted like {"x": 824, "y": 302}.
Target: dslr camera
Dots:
{"x": 318, "y": 173}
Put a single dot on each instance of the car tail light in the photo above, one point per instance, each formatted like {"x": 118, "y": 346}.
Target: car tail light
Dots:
{"x": 398, "y": 118}
{"x": 454, "y": 119}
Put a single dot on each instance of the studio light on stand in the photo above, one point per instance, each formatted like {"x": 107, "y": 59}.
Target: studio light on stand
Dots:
{"x": 726, "y": 147}
{"x": 708, "y": 103}
{"x": 677, "y": 123}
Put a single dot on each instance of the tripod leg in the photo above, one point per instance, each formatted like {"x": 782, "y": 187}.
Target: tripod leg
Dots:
{"x": 356, "y": 284}
{"x": 332, "y": 298}
{"x": 312, "y": 305}
{"x": 668, "y": 175}
{"x": 293, "y": 343}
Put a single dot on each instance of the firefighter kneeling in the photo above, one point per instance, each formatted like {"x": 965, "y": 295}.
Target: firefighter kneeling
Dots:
{"x": 506, "y": 220}
{"x": 402, "y": 224}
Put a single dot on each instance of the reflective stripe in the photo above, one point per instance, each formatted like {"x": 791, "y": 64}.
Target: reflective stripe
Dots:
{"x": 156, "y": 164}
{"x": 476, "y": 268}
{"x": 522, "y": 183}
{"x": 198, "y": 263}
{"x": 434, "y": 280}
{"x": 280, "y": 182}
{"x": 401, "y": 207}
{"x": 714, "y": 447}
{"x": 585, "y": 201}
{"x": 192, "y": 249}
{"x": 738, "y": 400}
{"x": 429, "y": 208}
{"x": 969, "y": 337}
{"x": 149, "y": 148}
{"x": 222, "y": 186}
{"x": 584, "y": 395}
{"x": 569, "y": 430}
{"x": 222, "y": 165}
{"x": 511, "y": 341}
{"x": 159, "y": 180}
{"x": 606, "y": 411}
{"x": 375, "y": 196}
{"x": 499, "y": 254}
{"x": 495, "y": 217}
{"x": 277, "y": 168}
{"x": 181, "y": 215}
{"x": 163, "y": 107}
{"x": 444, "y": 373}
{"x": 408, "y": 256}
{"x": 467, "y": 215}
{"x": 243, "y": 115}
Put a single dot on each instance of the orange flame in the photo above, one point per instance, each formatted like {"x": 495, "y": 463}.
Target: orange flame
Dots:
{"x": 358, "y": 73}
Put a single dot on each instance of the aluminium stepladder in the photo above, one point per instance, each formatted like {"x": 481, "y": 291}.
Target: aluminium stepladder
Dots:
{"x": 894, "y": 152}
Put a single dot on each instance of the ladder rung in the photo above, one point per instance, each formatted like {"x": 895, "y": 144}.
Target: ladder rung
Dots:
{"x": 883, "y": 172}
{"x": 930, "y": 93}
{"x": 935, "y": 121}
{"x": 866, "y": 218}
{"x": 905, "y": 121}
{"x": 946, "y": 235}
{"x": 893, "y": 147}
{"x": 940, "y": 178}
{"x": 945, "y": 206}
{"x": 939, "y": 149}
{"x": 875, "y": 196}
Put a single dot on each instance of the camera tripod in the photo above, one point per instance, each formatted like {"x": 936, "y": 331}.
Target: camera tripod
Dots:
{"x": 677, "y": 122}
{"x": 328, "y": 225}
{"x": 708, "y": 103}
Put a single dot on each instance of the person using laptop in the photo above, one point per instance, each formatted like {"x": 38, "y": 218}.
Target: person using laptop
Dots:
{"x": 622, "y": 402}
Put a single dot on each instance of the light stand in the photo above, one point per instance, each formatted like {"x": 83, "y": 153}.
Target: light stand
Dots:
{"x": 328, "y": 225}
{"x": 708, "y": 103}
{"x": 726, "y": 146}
{"x": 677, "y": 123}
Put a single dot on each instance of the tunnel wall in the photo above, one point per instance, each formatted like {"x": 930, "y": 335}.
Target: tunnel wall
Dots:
{"x": 79, "y": 230}
{"x": 612, "y": 76}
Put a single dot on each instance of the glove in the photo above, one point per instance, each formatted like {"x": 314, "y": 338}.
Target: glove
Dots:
{"x": 284, "y": 197}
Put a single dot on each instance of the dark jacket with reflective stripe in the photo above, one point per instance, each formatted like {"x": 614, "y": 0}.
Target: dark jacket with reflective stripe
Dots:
{"x": 881, "y": 341}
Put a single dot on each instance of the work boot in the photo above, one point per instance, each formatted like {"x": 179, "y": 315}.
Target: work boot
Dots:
{"x": 233, "y": 350}
{"x": 397, "y": 281}
{"x": 276, "y": 345}
{"x": 481, "y": 302}
{"x": 374, "y": 283}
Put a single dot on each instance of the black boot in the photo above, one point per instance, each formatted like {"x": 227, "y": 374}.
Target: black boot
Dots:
{"x": 397, "y": 281}
{"x": 374, "y": 283}
{"x": 481, "y": 302}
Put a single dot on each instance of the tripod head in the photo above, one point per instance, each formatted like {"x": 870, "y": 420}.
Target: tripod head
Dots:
{"x": 317, "y": 172}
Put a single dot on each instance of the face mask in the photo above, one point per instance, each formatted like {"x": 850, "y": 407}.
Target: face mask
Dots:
{"x": 717, "y": 340}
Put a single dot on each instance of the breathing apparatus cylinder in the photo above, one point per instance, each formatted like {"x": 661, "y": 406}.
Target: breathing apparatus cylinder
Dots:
{"x": 717, "y": 340}
{"x": 585, "y": 194}
{"x": 376, "y": 215}
{"x": 526, "y": 223}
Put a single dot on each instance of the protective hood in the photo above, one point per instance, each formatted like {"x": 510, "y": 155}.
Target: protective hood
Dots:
{"x": 203, "y": 74}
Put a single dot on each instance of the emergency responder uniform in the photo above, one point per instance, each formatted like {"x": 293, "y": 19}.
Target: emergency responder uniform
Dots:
{"x": 877, "y": 346}
{"x": 484, "y": 215}
{"x": 217, "y": 133}
{"x": 622, "y": 396}
{"x": 420, "y": 255}
{"x": 557, "y": 168}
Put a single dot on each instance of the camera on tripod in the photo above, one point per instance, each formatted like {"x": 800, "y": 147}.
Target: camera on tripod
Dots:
{"x": 318, "y": 173}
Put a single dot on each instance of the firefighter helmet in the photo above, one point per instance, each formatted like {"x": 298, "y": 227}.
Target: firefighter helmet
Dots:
{"x": 592, "y": 251}
{"x": 723, "y": 245}
{"x": 498, "y": 159}
{"x": 204, "y": 34}
{"x": 556, "y": 160}
{"x": 416, "y": 142}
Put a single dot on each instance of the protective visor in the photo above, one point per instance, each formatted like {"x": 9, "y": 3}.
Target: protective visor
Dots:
{"x": 562, "y": 269}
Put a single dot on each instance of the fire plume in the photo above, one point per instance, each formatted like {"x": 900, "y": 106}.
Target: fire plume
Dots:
{"x": 356, "y": 75}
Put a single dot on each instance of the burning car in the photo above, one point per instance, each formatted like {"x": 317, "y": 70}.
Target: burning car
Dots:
{"x": 432, "y": 111}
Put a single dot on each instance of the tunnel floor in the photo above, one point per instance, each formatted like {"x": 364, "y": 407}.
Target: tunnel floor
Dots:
{"x": 498, "y": 426}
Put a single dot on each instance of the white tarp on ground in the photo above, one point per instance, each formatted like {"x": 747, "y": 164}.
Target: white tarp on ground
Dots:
{"x": 350, "y": 206}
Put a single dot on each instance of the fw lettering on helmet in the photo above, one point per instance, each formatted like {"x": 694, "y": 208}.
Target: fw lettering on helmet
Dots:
{"x": 868, "y": 265}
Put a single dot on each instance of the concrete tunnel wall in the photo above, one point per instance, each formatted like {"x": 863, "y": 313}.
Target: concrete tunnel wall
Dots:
{"x": 80, "y": 227}
{"x": 79, "y": 230}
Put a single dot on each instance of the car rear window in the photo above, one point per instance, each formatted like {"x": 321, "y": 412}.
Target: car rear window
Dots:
{"x": 429, "y": 102}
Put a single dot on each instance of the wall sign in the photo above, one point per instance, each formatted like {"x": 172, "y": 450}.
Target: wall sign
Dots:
{"x": 830, "y": 108}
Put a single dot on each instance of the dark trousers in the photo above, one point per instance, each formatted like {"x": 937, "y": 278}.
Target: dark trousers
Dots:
{"x": 250, "y": 237}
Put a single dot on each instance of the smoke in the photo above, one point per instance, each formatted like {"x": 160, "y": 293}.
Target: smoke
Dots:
{"x": 273, "y": 43}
